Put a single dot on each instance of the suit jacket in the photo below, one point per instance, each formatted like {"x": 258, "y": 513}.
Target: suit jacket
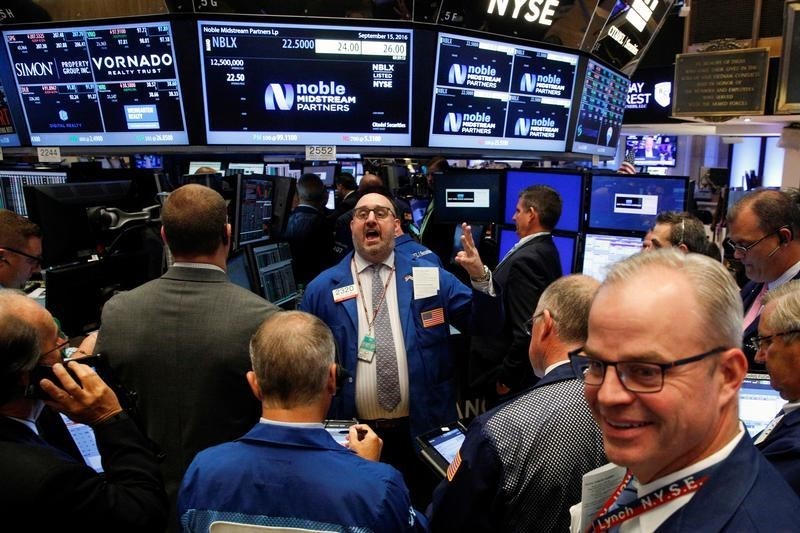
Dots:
{"x": 521, "y": 464}
{"x": 404, "y": 244}
{"x": 521, "y": 279}
{"x": 782, "y": 448}
{"x": 52, "y": 491}
{"x": 310, "y": 237}
{"x": 743, "y": 493}
{"x": 748, "y": 294}
{"x": 430, "y": 363}
{"x": 180, "y": 343}
{"x": 276, "y": 475}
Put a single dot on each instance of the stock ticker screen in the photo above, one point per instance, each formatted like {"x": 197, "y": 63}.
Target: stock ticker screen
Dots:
{"x": 490, "y": 94}
{"x": 104, "y": 85}
{"x": 599, "y": 119}
{"x": 305, "y": 84}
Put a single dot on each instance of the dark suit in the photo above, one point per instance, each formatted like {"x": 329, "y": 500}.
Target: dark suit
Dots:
{"x": 49, "y": 490}
{"x": 520, "y": 278}
{"x": 310, "y": 237}
{"x": 180, "y": 343}
{"x": 782, "y": 448}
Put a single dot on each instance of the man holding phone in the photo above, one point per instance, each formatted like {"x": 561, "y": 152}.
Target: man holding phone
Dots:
{"x": 33, "y": 472}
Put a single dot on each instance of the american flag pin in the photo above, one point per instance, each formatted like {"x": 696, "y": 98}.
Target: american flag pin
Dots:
{"x": 408, "y": 277}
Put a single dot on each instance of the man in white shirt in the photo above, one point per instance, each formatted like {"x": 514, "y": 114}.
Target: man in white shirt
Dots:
{"x": 666, "y": 402}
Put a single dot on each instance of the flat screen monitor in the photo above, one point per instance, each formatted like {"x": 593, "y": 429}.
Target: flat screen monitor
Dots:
{"x": 327, "y": 173}
{"x": 239, "y": 271}
{"x": 758, "y": 402}
{"x": 599, "y": 117}
{"x": 652, "y": 150}
{"x": 354, "y": 168}
{"x": 9, "y": 133}
{"x": 194, "y": 166}
{"x": 273, "y": 264}
{"x": 490, "y": 94}
{"x": 12, "y": 183}
{"x": 602, "y": 251}
{"x": 282, "y": 199}
{"x": 148, "y": 161}
{"x": 331, "y": 203}
{"x": 463, "y": 195}
{"x": 568, "y": 185}
{"x": 566, "y": 245}
{"x": 246, "y": 168}
{"x": 268, "y": 83}
{"x": 112, "y": 84}
{"x": 620, "y": 202}
{"x": 253, "y": 211}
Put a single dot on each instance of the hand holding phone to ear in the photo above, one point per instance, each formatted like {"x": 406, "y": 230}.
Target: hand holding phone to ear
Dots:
{"x": 89, "y": 401}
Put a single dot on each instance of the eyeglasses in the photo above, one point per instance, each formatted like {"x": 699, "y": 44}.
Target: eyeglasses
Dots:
{"x": 33, "y": 260}
{"x": 381, "y": 213}
{"x": 61, "y": 347}
{"x": 635, "y": 376}
{"x": 744, "y": 249}
{"x": 762, "y": 342}
{"x": 531, "y": 320}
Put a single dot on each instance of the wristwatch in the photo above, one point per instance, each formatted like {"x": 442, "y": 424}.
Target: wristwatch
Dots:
{"x": 487, "y": 275}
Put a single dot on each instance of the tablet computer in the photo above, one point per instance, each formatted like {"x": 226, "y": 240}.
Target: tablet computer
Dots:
{"x": 339, "y": 429}
{"x": 439, "y": 446}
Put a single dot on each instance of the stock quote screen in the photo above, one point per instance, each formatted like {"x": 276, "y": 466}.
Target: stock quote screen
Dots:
{"x": 600, "y": 114}
{"x": 489, "y": 94}
{"x": 108, "y": 85}
{"x": 309, "y": 84}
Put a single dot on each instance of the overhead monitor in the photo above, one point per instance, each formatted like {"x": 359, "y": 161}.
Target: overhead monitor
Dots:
{"x": 568, "y": 185}
{"x": 490, "y": 94}
{"x": 652, "y": 150}
{"x": 631, "y": 203}
{"x": 9, "y": 134}
{"x": 463, "y": 195}
{"x": 267, "y": 83}
{"x": 253, "y": 210}
{"x": 148, "y": 161}
{"x": 246, "y": 168}
{"x": 112, "y": 84}
{"x": 327, "y": 173}
{"x": 565, "y": 244}
{"x": 602, "y": 251}
{"x": 602, "y": 105}
{"x": 12, "y": 183}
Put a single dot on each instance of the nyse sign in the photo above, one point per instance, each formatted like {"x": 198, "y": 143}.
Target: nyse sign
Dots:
{"x": 538, "y": 11}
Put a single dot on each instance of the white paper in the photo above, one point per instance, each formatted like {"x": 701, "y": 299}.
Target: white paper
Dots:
{"x": 426, "y": 282}
{"x": 596, "y": 487}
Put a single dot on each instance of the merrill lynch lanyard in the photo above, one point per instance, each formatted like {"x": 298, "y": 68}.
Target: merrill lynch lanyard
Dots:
{"x": 605, "y": 520}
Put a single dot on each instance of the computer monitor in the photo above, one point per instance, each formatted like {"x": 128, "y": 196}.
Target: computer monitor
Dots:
{"x": 758, "y": 402}
{"x": 327, "y": 173}
{"x": 652, "y": 150}
{"x": 631, "y": 203}
{"x": 565, "y": 244}
{"x": 602, "y": 251}
{"x": 194, "y": 166}
{"x": 463, "y": 195}
{"x": 144, "y": 181}
{"x": 331, "y": 202}
{"x": 253, "y": 209}
{"x": 246, "y": 168}
{"x": 282, "y": 198}
{"x": 238, "y": 270}
{"x": 354, "y": 168}
{"x": 12, "y": 183}
{"x": 568, "y": 185}
{"x": 273, "y": 266}
{"x": 148, "y": 161}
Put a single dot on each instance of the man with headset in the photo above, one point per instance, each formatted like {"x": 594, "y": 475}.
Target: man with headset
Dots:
{"x": 681, "y": 230}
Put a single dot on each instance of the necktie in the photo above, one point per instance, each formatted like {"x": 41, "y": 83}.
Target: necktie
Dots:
{"x": 761, "y": 437}
{"x": 385, "y": 353}
{"x": 755, "y": 308}
{"x": 627, "y": 496}
{"x": 509, "y": 252}
{"x": 426, "y": 219}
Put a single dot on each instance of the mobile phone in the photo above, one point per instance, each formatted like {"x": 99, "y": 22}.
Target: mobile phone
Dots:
{"x": 40, "y": 372}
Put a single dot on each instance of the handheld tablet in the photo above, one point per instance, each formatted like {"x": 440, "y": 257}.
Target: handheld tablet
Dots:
{"x": 339, "y": 429}
{"x": 439, "y": 446}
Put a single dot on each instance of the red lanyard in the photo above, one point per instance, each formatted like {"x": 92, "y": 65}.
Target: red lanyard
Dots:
{"x": 605, "y": 520}
{"x": 364, "y": 300}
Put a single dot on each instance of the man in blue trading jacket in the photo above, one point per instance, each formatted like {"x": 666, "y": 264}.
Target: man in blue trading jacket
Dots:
{"x": 391, "y": 316}
{"x": 288, "y": 471}
{"x": 666, "y": 401}
{"x": 499, "y": 363}
{"x": 777, "y": 346}
{"x": 521, "y": 464}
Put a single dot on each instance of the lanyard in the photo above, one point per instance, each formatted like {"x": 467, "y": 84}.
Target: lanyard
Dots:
{"x": 605, "y": 520}
{"x": 364, "y": 300}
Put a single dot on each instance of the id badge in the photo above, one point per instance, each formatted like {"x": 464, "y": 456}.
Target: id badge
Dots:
{"x": 367, "y": 349}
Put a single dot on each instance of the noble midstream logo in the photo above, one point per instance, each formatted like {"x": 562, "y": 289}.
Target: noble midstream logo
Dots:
{"x": 478, "y": 123}
{"x": 549, "y": 84}
{"x": 319, "y": 96}
{"x": 473, "y": 76}
{"x": 541, "y": 128}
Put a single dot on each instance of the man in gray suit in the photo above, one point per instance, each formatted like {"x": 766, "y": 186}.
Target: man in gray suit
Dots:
{"x": 179, "y": 343}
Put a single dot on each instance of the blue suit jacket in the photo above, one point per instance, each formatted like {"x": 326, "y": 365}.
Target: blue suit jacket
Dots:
{"x": 744, "y": 493}
{"x": 430, "y": 363}
{"x": 782, "y": 448}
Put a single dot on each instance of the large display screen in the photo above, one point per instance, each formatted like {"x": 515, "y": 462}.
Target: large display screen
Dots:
{"x": 104, "y": 85}
{"x": 305, "y": 84}
{"x": 599, "y": 118}
{"x": 568, "y": 185}
{"x": 463, "y": 195}
{"x": 8, "y": 132}
{"x": 652, "y": 150}
{"x": 489, "y": 94}
{"x": 631, "y": 203}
